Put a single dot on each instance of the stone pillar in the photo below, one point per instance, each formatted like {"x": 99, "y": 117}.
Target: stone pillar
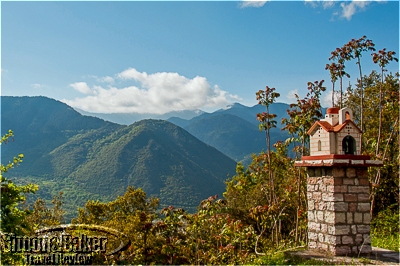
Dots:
{"x": 338, "y": 205}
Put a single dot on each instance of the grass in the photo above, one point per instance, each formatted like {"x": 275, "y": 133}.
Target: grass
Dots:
{"x": 280, "y": 258}
{"x": 283, "y": 256}
{"x": 391, "y": 242}
{"x": 385, "y": 229}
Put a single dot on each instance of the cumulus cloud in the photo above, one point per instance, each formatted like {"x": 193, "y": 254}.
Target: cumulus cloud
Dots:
{"x": 106, "y": 79}
{"x": 326, "y": 99}
{"x": 82, "y": 87}
{"x": 328, "y": 4}
{"x": 157, "y": 93}
{"x": 349, "y": 9}
{"x": 291, "y": 94}
{"x": 317, "y": 3}
{"x": 312, "y": 3}
{"x": 345, "y": 10}
{"x": 252, "y": 3}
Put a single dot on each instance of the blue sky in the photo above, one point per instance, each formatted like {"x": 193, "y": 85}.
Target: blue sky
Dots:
{"x": 155, "y": 57}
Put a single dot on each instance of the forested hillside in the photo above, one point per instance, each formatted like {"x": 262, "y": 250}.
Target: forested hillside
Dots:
{"x": 89, "y": 158}
{"x": 235, "y": 129}
{"x": 40, "y": 125}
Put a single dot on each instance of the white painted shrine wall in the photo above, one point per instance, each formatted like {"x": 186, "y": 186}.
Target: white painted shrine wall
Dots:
{"x": 332, "y": 144}
{"x": 323, "y": 136}
{"x": 348, "y": 130}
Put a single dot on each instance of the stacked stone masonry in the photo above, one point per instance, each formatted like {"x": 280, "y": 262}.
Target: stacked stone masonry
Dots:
{"x": 338, "y": 210}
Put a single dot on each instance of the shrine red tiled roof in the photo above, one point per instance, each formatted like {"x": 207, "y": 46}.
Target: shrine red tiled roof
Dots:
{"x": 329, "y": 128}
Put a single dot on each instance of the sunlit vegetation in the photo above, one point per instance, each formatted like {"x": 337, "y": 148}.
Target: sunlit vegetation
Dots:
{"x": 262, "y": 212}
{"x": 385, "y": 231}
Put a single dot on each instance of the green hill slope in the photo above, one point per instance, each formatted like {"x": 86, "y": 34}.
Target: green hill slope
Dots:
{"x": 40, "y": 125}
{"x": 89, "y": 158}
{"x": 163, "y": 159}
{"x": 234, "y": 131}
{"x": 229, "y": 134}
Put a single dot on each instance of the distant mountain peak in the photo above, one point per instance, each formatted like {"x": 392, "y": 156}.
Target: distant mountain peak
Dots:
{"x": 233, "y": 105}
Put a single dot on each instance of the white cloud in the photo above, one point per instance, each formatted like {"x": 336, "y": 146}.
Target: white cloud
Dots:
{"x": 312, "y": 3}
{"x": 36, "y": 86}
{"x": 252, "y": 3}
{"x": 291, "y": 95}
{"x": 106, "y": 79}
{"x": 82, "y": 87}
{"x": 132, "y": 73}
{"x": 349, "y": 9}
{"x": 328, "y": 4}
{"x": 325, "y": 4}
{"x": 158, "y": 93}
{"x": 346, "y": 9}
{"x": 326, "y": 100}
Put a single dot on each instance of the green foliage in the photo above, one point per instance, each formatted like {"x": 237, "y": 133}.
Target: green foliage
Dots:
{"x": 302, "y": 115}
{"x": 131, "y": 214}
{"x": 386, "y": 222}
{"x": 390, "y": 242}
{"x": 173, "y": 236}
{"x": 272, "y": 211}
{"x": 385, "y": 179}
{"x": 217, "y": 237}
{"x": 12, "y": 218}
{"x": 267, "y": 119}
{"x": 278, "y": 257}
{"x": 40, "y": 215}
{"x": 385, "y": 231}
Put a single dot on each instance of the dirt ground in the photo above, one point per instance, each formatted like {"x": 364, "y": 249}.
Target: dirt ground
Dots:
{"x": 379, "y": 256}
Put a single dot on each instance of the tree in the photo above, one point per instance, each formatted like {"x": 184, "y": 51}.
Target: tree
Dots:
{"x": 303, "y": 114}
{"x": 340, "y": 55}
{"x": 12, "y": 216}
{"x": 356, "y": 48}
{"x": 382, "y": 58}
{"x": 132, "y": 214}
{"x": 266, "y": 98}
{"x": 248, "y": 199}
{"x": 40, "y": 215}
{"x": 172, "y": 237}
{"x": 384, "y": 180}
{"x": 267, "y": 122}
{"x": 334, "y": 72}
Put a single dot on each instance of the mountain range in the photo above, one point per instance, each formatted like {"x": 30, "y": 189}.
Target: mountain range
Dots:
{"x": 130, "y": 118}
{"x": 232, "y": 130}
{"x": 89, "y": 158}
{"x": 181, "y": 160}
